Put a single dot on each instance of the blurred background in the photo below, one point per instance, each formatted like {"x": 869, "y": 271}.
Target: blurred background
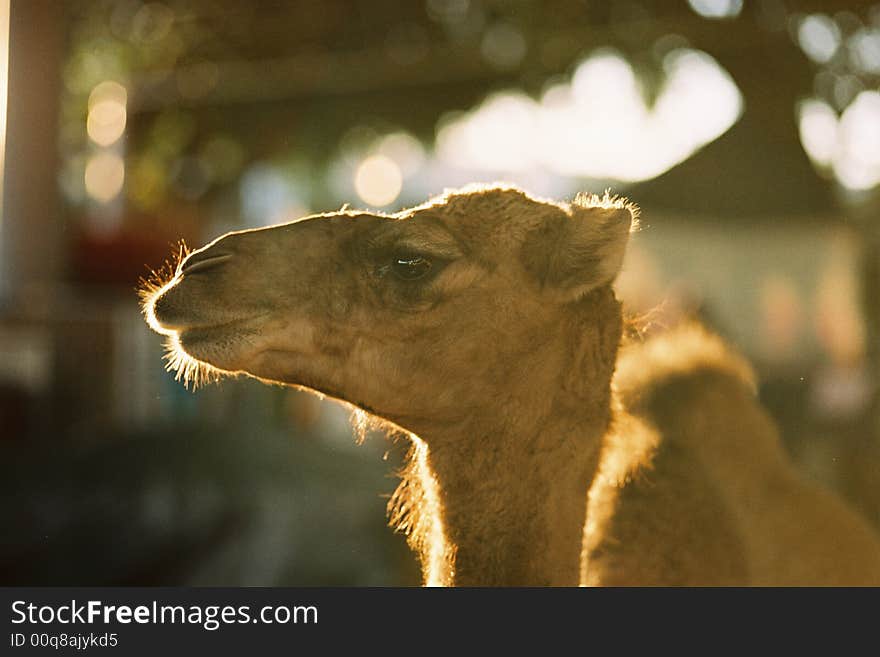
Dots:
{"x": 747, "y": 130}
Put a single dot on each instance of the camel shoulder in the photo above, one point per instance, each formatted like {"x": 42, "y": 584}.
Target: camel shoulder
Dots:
{"x": 656, "y": 518}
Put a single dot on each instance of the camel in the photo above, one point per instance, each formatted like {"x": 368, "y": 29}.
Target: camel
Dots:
{"x": 483, "y": 325}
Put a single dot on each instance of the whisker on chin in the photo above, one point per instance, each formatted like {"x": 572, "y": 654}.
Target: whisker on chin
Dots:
{"x": 191, "y": 372}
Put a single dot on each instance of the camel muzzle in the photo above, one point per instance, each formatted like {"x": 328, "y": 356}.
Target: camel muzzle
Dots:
{"x": 189, "y": 301}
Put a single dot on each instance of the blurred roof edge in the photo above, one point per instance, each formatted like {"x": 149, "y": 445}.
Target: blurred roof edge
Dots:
{"x": 741, "y": 176}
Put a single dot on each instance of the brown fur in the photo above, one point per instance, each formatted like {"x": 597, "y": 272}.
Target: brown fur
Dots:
{"x": 700, "y": 397}
{"x": 497, "y": 358}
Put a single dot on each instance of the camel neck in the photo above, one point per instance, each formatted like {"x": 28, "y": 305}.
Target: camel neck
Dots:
{"x": 512, "y": 507}
{"x": 498, "y": 497}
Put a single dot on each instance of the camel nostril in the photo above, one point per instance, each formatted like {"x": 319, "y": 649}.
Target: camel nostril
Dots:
{"x": 202, "y": 261}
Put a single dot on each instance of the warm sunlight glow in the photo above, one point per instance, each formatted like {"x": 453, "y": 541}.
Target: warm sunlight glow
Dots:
{"x": 858, "y": 163}
{"x": 191, "y": 372}
{"x": 817, "y": 124}
{"x": 107, "y": 114}
{"x": 149, "y": 307}
{"x": 598, "y": 125}
{"x": 406, "y": 151}
{"x": 437, "y": 550}
{"x": 106, "y": 122}
{"x": 104, "y": 176}
{"x": 378, "y": 180}
{"x": 850, "y": 146}
{"x": 498, "y": 136}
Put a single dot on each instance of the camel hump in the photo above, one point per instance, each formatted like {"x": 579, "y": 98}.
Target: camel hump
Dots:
{"x": 683, "y": 356}
{"x": 691, "y": 385}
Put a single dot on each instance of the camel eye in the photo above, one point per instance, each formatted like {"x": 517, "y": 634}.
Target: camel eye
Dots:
{"x": 410, "y": 267}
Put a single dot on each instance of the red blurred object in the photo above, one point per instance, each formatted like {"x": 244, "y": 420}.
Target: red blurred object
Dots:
{"x": 119, "y": 259}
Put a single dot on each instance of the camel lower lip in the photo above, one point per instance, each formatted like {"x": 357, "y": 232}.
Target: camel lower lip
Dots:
{"x": 218, "y": 346}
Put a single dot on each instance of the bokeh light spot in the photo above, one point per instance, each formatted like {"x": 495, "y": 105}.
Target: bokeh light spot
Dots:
{"x": 717, "y": 8}
{"x": 107, "y": 113}
{"x": 378, "y": 180}
{"x": 104, "y": 175}
{"x": 819, "y": 37}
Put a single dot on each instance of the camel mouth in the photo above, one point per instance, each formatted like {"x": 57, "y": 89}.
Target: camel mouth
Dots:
{"x": 179, "y": 308}
{"x": 225, "y": 331}
{"x": 200, "y": 328}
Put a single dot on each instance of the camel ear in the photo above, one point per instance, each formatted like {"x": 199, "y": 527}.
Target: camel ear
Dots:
{"x": 574, "y": 253}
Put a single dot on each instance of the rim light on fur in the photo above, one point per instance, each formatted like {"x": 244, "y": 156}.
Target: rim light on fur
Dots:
{"x": 191, "y": 372}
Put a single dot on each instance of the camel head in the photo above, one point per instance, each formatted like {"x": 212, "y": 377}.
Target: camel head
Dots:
{"x": 417, "y": 317}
